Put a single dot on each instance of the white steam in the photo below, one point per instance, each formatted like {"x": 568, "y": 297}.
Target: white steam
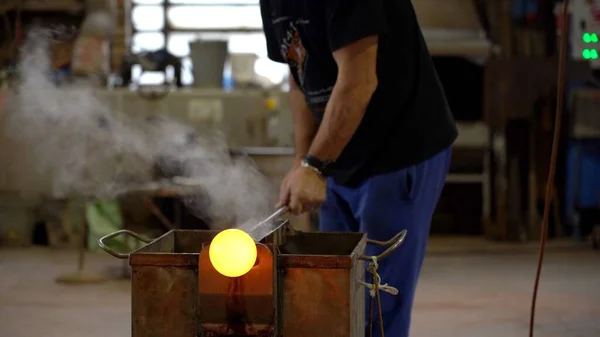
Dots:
{"x": 64, "y": 141}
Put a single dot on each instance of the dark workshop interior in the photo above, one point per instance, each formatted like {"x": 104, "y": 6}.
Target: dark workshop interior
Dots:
{"x": 158, "y": 124}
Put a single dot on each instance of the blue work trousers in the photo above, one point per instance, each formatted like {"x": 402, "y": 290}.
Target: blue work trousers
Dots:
{"x": 382, "y": 206}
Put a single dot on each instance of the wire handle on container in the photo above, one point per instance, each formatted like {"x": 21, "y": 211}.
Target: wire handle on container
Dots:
{"x": 393, "y": 244}
{"x": 375, "y": 287}
{"x": 122, "y": 256}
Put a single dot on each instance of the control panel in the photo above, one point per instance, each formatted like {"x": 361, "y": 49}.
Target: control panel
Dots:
{"x": 585, "y": 30}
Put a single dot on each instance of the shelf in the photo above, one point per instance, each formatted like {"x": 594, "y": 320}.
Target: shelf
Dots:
{"x": 72, "y": 6}
{"x": 459, "y": 47}
{"x": 466, "y": 178}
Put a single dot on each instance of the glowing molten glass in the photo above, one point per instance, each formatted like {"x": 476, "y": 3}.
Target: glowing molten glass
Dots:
{"x": 232, "y": 252}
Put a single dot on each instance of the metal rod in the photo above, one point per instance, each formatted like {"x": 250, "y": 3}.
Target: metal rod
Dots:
{"x": 266, "y": 227}
{"x": 281, "y": 211}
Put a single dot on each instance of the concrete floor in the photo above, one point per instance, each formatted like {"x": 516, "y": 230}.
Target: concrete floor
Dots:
{"x": 476, "y": 292}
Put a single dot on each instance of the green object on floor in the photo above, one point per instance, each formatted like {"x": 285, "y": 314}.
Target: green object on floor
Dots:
{"x": 104, "y": 217}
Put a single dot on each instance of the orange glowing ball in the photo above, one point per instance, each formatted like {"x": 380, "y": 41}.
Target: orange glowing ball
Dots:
{"x": 232, "y": 252}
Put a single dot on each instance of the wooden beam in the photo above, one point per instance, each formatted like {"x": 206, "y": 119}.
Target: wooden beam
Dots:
{"x": 73, "y": 6}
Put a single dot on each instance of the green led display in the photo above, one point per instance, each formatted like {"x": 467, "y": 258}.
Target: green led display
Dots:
{"x": 590, "y": 54}
{"x": 590, "y": 38}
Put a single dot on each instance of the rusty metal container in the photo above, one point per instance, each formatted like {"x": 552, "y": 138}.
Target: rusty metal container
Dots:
{"x": 321, "y": 293}
{"x": 164, "y": 284}
{"x": 304, "y": 284}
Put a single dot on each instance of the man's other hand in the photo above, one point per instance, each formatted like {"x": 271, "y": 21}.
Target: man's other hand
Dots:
{"x": 284, "y": 195}
{"x": 302, "y": 190}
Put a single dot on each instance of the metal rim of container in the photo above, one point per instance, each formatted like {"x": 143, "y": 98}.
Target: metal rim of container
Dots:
{"x": 393, "y": 244}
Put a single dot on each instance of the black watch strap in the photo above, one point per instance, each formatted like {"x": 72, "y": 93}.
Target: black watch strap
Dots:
{"x": 321, "y": 167}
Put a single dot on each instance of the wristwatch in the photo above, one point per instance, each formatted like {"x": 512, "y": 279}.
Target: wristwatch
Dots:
{"x": 321, "y": 167}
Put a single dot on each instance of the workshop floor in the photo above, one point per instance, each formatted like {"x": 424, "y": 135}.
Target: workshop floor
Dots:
{"x": 482, "y": 291}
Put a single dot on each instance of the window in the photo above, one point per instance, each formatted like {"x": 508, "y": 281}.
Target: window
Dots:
{"x": 175, "y": 23}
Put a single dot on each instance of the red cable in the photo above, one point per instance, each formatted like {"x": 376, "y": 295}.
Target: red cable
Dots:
{"x": 553, "y": 157}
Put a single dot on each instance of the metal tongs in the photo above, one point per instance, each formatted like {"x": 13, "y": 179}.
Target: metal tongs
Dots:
{"x": 265, "y": 227}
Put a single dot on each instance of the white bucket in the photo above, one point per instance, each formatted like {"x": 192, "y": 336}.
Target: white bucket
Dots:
{"x": 242, "y": 67}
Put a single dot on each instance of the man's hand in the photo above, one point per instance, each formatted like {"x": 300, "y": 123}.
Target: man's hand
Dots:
{"x": 284, "y": 196}
{"x": 302, "y": 190}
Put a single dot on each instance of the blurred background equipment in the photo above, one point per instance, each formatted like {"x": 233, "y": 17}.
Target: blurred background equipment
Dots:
{"x": 224, "y": 83}
{"x": 203, "y": 65}
{"x": 583, "y": 164}
{"x": 585, "y": 31}
{"x": 199, "y": 67}
{"x": 208, "y": 61}
{"x": 81, "y": 275}
{"x": 155, "y": 61}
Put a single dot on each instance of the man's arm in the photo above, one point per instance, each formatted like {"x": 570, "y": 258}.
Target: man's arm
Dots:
{"x": 305, "y": 124}
{"x": 354, "y": 87}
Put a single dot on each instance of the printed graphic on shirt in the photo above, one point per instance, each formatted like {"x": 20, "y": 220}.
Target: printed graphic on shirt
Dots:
{"x": 294, "y": 52}
{"x": 292, "y": 49}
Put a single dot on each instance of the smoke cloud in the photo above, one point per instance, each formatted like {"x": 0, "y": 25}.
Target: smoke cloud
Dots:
{"x": 64, "y": 141}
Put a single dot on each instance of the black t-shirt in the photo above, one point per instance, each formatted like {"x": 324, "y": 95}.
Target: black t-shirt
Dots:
{"x": 407, "y": 120}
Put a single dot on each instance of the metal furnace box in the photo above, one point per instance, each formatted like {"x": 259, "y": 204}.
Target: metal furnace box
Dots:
{"x": 303, "y": 284}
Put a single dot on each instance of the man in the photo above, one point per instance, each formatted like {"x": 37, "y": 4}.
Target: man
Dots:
{"x": 373, "y": 130}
